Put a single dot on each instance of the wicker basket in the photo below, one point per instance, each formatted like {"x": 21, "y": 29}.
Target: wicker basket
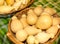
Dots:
{"x": 12, "y": 37}
{"x": 29, "y": 3}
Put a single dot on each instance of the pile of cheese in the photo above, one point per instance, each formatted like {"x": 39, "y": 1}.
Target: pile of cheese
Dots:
{"x": 6, "y": 6}
{"x": 38, "y": 25}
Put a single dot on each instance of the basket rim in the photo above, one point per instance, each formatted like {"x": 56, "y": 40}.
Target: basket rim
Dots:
{"x": 30, "y": 2}
{"x": 15, "y": 40}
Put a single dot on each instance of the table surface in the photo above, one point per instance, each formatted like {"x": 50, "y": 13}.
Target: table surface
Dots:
{"x": 4, "y": 20}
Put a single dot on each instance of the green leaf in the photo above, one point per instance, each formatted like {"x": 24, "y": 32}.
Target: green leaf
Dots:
{"x": 44, "y": 1}
{"x": 55, "y": 0}
{"x": 33, "y": 5}
{"x": 58, "y": 4}
{"x": 35, "y": 0}
{"x": 50, "y": 5}
{"x": 4, "y": 21}
{"x": 2, "y": 32}
{"x": 1, "y": 41}
{"x": 39, "y": 3}
{"x": 6, "y": 40}
{"x": 55, "y": 42}
{"x": 59, "y": 40}
{"x": 58, "y": 10}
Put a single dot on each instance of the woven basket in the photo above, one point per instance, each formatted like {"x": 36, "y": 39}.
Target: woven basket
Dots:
{"x": 29, "y": 3}
{"x": 12, "y": 37}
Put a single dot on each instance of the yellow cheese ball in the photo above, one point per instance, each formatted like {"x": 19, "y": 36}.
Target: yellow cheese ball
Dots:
{"x": 55, "y": 21}
{"x": 43, "y": 37}
{"x": 31, "y": 17}
{"x": 36, "y": 41}
{"x": 49, "y": 10}
{"x": 32, "y": 30}
{"x": 31, "y": 39}
{"x": 44, "y": 22}
{"x": 17, "y": 5}
{"x": 16, "y": 25}
{"x": 38, "y": 10}
{"x": 25, "y": 1}
{"x": 21, "y": 35}
{"x": 5, "y": 9}
{"x": 52, "y": 30}
{"x": 45, "y": 13}
{"x": 5, "y": 4}
{"x": 58, "y": 19}
{"x": 1, "y": 2}
{"x": 24, "y": 20}
{"x": 17, "y": 0}
{"x": 10, "y": 2}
